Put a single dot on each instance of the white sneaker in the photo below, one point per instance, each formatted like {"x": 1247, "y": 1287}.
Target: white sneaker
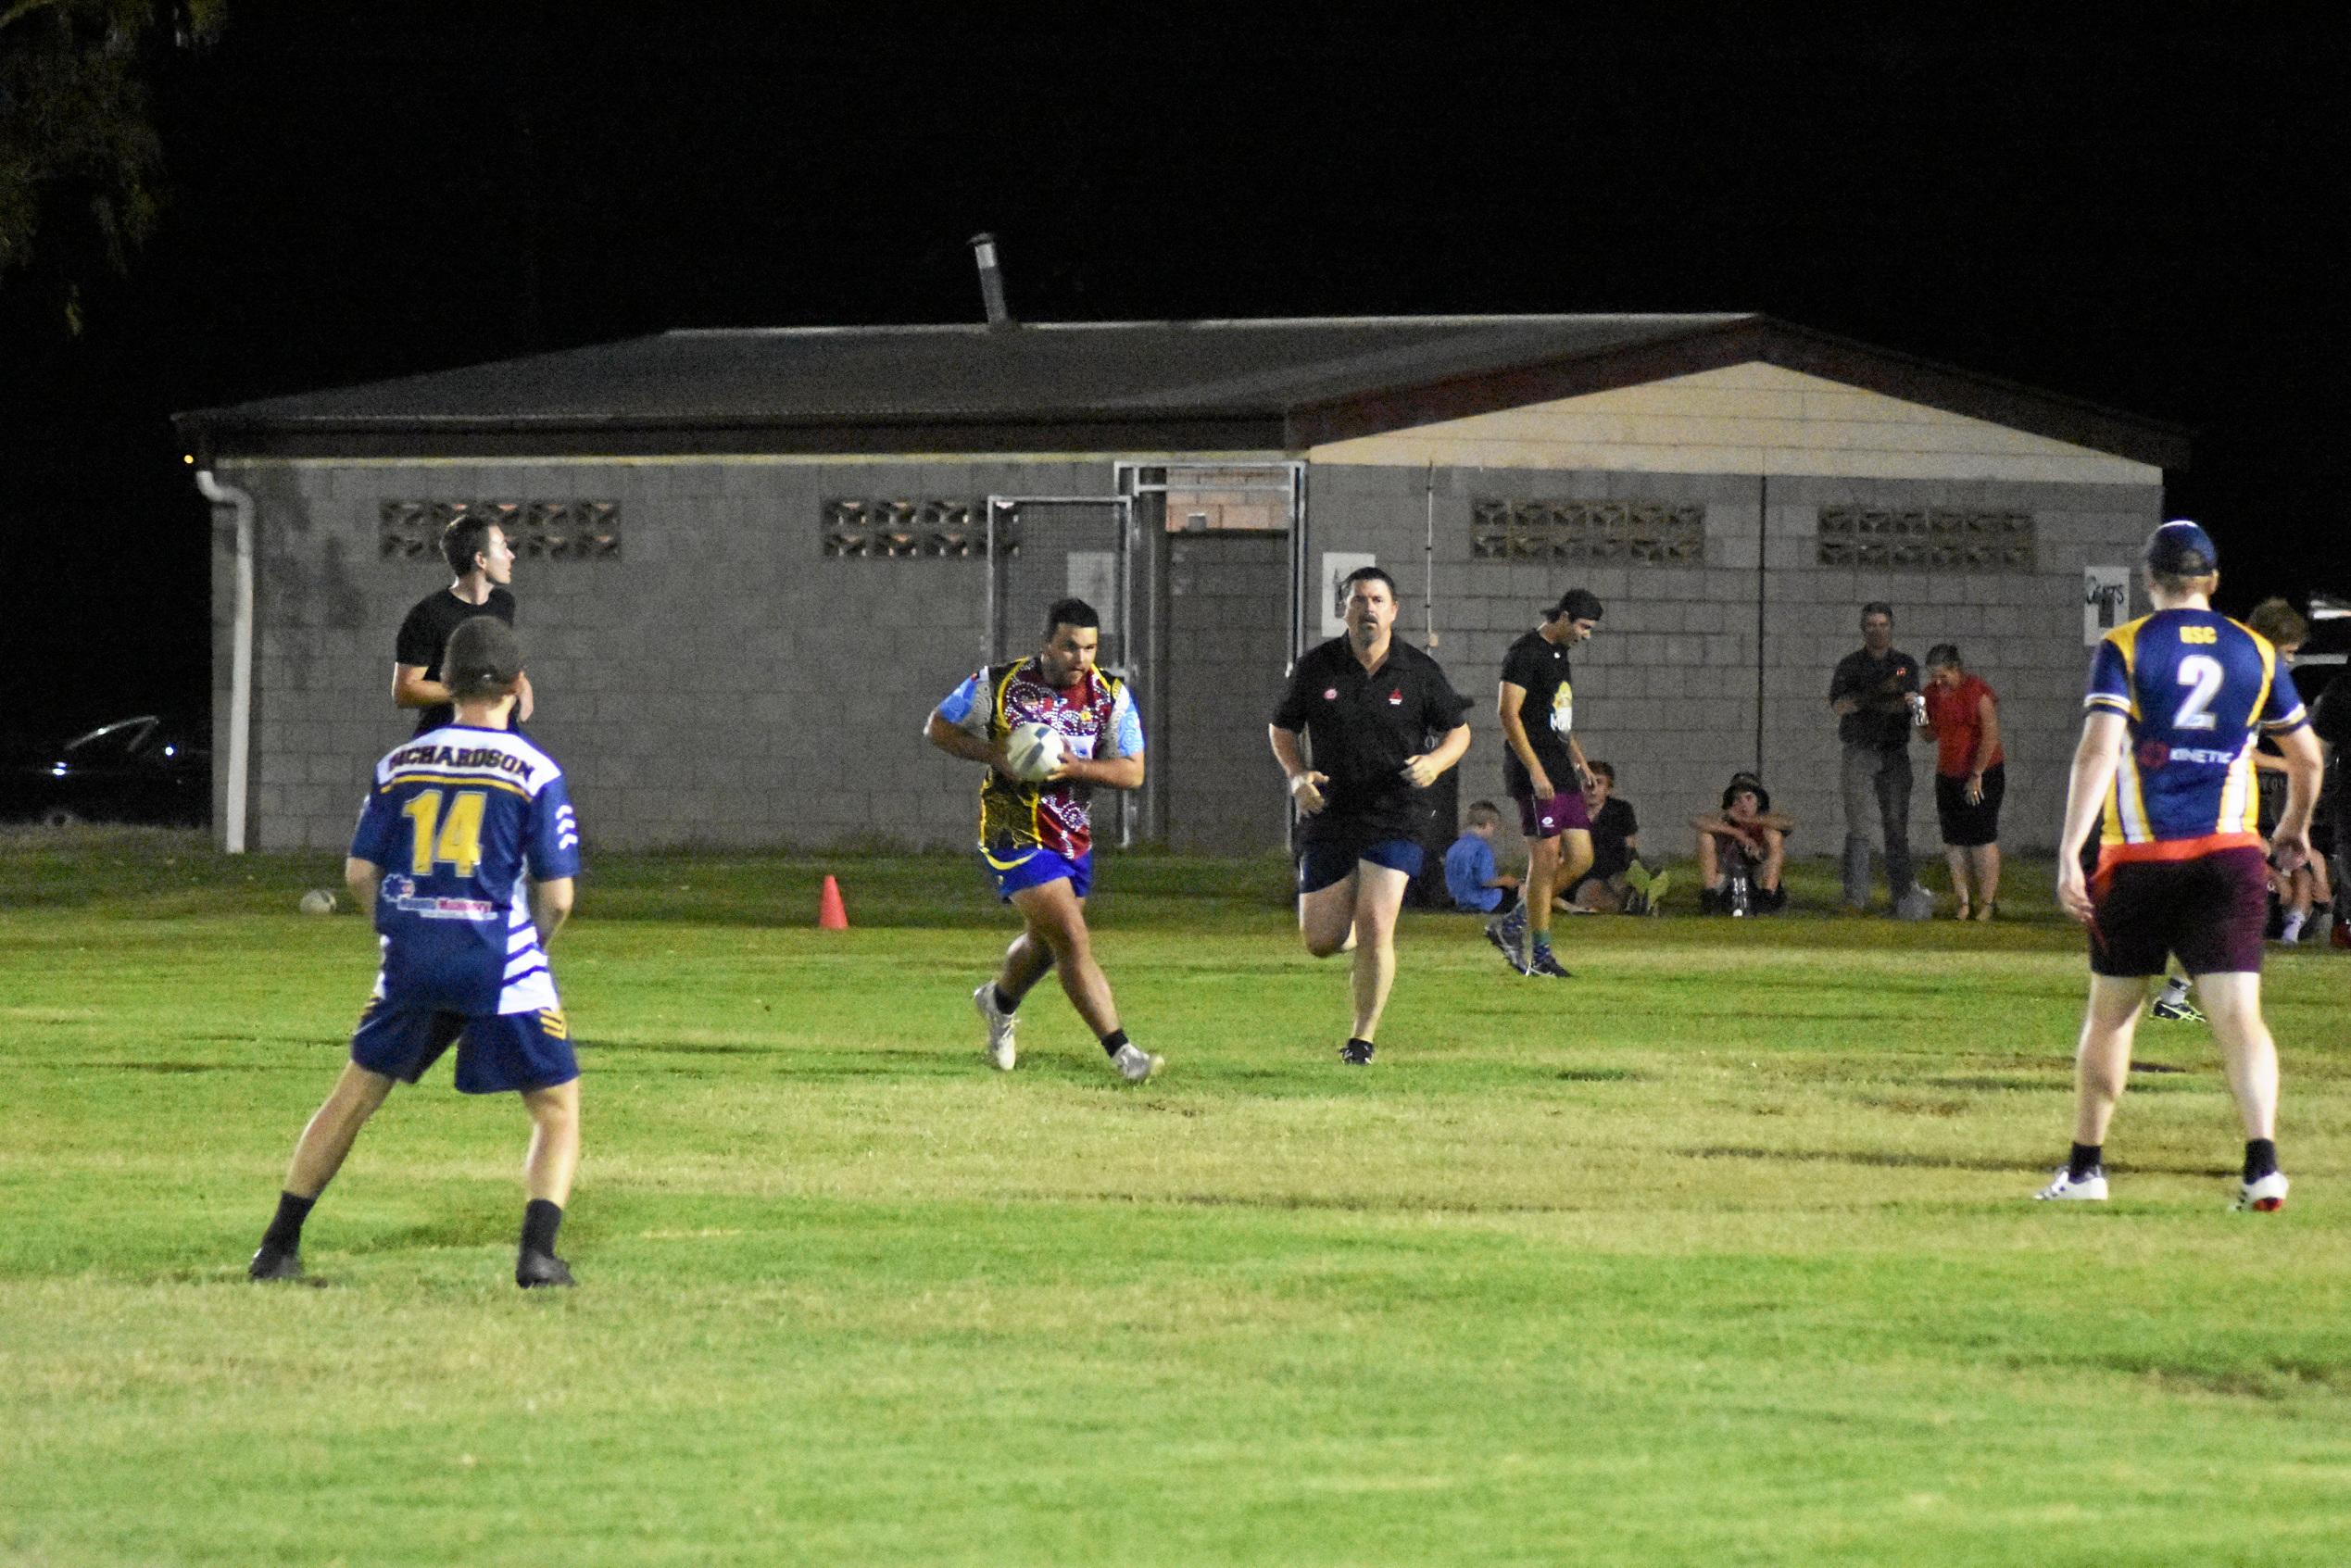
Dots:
{"x": 2065, "y": 1189}
{"x": 1000, "y": 1025}
{"x": 1134, "y": 1063}
{"x": 2266, "y": 1196}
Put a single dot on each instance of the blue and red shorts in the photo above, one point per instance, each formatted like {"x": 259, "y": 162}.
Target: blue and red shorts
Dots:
{"x": 2210, "y": 910}
{"x": 497, "y": 1052}
{"x": 1034, "y": 867}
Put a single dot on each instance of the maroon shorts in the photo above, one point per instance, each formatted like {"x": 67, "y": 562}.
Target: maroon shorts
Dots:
{"x": 2210, "y": 911}
{"x": 1550, "y": 818}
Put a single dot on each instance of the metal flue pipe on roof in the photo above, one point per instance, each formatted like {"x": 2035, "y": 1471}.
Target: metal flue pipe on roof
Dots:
{"x": 991, "y": 282}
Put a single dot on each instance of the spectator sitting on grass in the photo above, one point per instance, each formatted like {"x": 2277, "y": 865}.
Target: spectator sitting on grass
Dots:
{"x": 1745, "y": 844}
{"x": 1470, "y": 876}
{"x": 1620, "y": 881}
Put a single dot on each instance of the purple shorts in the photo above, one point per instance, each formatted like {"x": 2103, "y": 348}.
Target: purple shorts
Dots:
{"x": 2209, "y": 910}
{"x": 1547, "y": 819}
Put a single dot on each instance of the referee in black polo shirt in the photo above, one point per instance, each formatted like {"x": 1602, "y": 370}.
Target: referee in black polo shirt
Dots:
{"x": 1371, "y": 707}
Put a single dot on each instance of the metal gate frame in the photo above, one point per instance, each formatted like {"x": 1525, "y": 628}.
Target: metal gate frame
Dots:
{"x": 992, "y": 633}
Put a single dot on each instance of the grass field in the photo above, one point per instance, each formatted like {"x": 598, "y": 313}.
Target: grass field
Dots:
{"x": 1720, "y": 1254}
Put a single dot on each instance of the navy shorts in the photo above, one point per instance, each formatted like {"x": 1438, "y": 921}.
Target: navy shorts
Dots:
{"x": 1549, "y": 818}
{"x": 2209, "y": 910}
{"x": 1324, "y": 865}
{"x": 497, "y": 1052}
{"x": 1015, "y": 869}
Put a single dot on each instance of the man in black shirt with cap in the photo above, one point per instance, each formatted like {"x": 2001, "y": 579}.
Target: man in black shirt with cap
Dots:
{"x": 1384, "y": 723}
{"x": 1875, "y": 695}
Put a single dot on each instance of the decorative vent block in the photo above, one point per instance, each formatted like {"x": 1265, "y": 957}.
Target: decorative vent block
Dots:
{"x": 914, "y": 529}
{"x": 534, "y": 530}
{"x": 1928, "y": 539}
{"x": 1590, "y": 533}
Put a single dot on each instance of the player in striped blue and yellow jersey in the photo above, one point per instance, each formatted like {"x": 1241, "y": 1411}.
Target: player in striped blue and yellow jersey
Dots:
{"x": 2175, "y": 701}
{"x": 466, "y": 850}
{"x": 1035, "y": 839}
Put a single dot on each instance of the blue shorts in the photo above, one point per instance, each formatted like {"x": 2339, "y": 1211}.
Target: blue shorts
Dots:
{"x": 1321, "y": 865}
{"x": 497, "y": 1052}
{"x": 1016, "y": 868}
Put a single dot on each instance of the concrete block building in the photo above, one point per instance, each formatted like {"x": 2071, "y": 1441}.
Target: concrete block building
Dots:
{"x": 752, "y": 560}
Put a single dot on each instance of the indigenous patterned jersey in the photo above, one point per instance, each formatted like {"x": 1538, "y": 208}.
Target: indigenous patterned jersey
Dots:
{"x": 1096, "y": 718}
{"x": 2195, "y": 688}
{"x": 454, "y": 820}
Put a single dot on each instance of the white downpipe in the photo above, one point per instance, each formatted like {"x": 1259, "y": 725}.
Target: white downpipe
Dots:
{"x": 240, "y": 654}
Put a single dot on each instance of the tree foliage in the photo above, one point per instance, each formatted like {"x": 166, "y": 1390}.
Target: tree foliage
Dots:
{"x": 81, "y": 161}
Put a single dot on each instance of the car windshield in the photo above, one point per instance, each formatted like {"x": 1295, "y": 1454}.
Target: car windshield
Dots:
{"x": 124, "y": 737}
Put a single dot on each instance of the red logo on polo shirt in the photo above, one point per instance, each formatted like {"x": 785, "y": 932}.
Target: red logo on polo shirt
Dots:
{"x": 1330, "y": 694}
{"x": 1396, "y": 698}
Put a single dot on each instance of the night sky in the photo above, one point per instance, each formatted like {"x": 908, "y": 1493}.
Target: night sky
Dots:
{"x": 2149, "y": 214}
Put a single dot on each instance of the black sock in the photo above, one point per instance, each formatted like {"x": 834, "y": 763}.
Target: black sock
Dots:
{"x": 1357, "y": 1040}
{"x": 1113, "y": 1042}
{"x": 539, "y": 1219}
{"x": 2086, "y": 1160}
{"x": 1004, "y": 1004}
{"x": 284, "y": 1234}
{"x": 2260, "y": 1158}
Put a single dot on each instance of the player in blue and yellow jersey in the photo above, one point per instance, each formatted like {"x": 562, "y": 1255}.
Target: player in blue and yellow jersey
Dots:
{"x": 1036, "y": 839}
{"x": 455, "y": 820}
{"x": 2175, "y": 701}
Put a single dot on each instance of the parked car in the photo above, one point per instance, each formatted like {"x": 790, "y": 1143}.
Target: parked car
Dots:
{"x": 145, "y": 769}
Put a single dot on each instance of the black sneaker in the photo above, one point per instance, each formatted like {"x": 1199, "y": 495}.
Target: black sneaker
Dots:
{"x": 271, "y": 1262}
{"x": 535, "y": 1270}
{"x": 1357, "y": 1053}
{"x": 1546, "y": 964}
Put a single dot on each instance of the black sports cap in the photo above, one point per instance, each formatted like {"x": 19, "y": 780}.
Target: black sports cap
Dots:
{"x": 1746, "y": 783}
{"x": 482, "y": 656}
{"x": 2182, "y": 550}
{"x": 1576, "y": 603}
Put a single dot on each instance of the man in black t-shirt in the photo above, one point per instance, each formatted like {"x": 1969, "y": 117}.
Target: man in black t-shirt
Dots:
{"x": 1384, "y": 724}
{"x": 484, "y": 564}
{"x": 1874, "y": 694}
{"x": 1543, "y": 767}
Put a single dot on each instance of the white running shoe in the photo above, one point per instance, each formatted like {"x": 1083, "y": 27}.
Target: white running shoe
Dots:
{"x": 2266, "y": 1196}
{"x": 1000, "y": 1025}
{"x": 2065, "y": 1189}
{"x": 1134, "y": 1063}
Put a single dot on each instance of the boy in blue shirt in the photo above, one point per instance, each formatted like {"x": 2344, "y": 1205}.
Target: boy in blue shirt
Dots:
{"x": 1470, "y": 875}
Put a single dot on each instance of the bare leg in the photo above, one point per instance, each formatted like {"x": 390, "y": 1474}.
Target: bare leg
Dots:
{"x": 1056, "y": 918}
{"x": 1542, "y": 882}
{"x": 1575, "y": 857}
{"x": 554, "y": 1158}
{"x": 1709, "y": 864}
{"x": 2102, "y": 1062}
{"x": 327, "y": 1140}
{"x": 2232, "y": 1002}
{"x": 1326, "y": 916}
{"x": 1956, "y": 857}
{"x": 1025, "y": 962}
{"x": 1987, "y": 858}
{"x": 1381, "y": 896}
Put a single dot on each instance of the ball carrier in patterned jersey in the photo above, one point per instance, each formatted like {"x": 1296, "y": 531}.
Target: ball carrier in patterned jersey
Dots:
{"x": 2175, "y": 701}
{"x": 454, "y": 822}
{"x": 1036, "y": 838}
{"x": 1543, "y": 766}
{"x": 1370, "y": 706}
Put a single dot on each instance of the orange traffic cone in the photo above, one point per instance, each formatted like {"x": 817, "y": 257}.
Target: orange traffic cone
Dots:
{"x": 830, "y": 915}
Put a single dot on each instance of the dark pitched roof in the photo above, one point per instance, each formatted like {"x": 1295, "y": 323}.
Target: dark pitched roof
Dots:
{"x": 1149, "y": 386}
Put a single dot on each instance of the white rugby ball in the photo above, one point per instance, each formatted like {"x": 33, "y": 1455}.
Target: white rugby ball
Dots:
{"x": 1033, "y": 750}
{"x": 318, "y": 901}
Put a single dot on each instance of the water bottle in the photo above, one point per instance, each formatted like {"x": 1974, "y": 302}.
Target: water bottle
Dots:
{"x": 1742, "y": 895}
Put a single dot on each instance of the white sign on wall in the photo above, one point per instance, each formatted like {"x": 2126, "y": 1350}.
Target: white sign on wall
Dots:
{"x": 1336, "y": 569}
{"x": 2106, "y": 601}
{"x": 1093, "y": 576}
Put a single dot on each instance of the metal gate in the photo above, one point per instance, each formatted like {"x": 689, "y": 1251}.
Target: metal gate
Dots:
{"x": 1041, "y": 548}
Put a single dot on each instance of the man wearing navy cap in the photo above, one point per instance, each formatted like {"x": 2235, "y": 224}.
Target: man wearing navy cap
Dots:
{"x": 2165, "y": 765}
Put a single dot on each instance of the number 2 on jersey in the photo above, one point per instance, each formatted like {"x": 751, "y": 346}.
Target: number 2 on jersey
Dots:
{"x": 458, "y": 838}
{"x": 2203, "y": 673}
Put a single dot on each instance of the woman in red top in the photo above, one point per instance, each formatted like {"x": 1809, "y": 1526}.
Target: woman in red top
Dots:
{"x": 1963, "y": 716}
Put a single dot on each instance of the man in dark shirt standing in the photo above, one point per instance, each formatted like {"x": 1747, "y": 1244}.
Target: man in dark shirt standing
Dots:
{"x": 1371, "y": 707}
{"x": 484, "y": 563}
{"x": 1874, "y": 694}
{"x": 1543, "y": 767}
